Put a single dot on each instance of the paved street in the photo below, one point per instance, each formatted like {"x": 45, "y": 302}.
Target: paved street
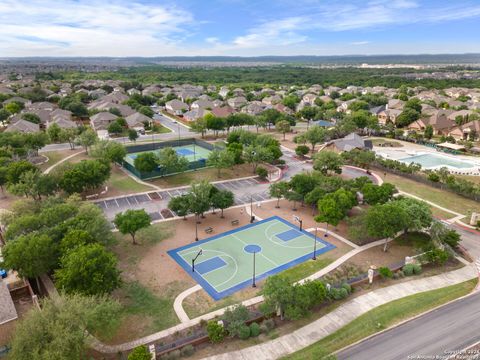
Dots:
{"x": 453, "y": 327}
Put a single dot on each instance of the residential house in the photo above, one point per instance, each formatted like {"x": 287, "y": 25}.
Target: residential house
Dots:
{"x": 152, "y": 89}
{"x": 133, "y": 91}
{"x": 283, "y": 109}
{"x": 272, "y": 100}
{"x": 395, "y": 104}
{"x": 253, "y": 108}
{"x": 309, "y": 99}
{"x": 461, "y": 114}
{"x": 195, "y": 114}
{"x": 63, "y": 123}
{"x": 101, "y": 120}
{"x": 223, "y": 92}
{"x": 350, "y": 142}
{"x": 137, "y": 121}
{"x": 441, "y": 123}
{"x": 23, "y": 126}
{"x": 176, "y": 107}
{"x": 466, "y": 131}
{"x": 43, "y": 105}
{"x": 237, "y": 102}
{"x": 222, "y": 111}
{"x": 388, "y": 115}
{"x": 202, "y": 104}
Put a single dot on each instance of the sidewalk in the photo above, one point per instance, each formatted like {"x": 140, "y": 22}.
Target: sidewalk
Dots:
{"x": 344, "y": 314}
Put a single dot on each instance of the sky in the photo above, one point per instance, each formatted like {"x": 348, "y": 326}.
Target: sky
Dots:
{"x": 147, "y": 28}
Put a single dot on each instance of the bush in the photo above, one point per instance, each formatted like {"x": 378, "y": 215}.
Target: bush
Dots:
{"x": 417, "y": 269}
{"x": 408, "y": 269}
{"x": 338, "y": 293}
{"x": 437, "y": 256}
{"x": 175, "y": 354}
{"x": 244, "y": 332}
{"x": 433, "y": 176}
{"x": 400, "y": 274}
{"x": 302, "y": 150}
{"x": 235, "y": 319}
{"x": 254, "y": 329}
{"x": 451, "y": 238}
{"x": 347, "y": 287}
{"x": 140, "y": 353}
{"x": 215, "y": 331}
{"x": 187, "y": 350}
{"x": 269, "y": 324}
{"x": 385, "y": 272}
{"x": 262, "y": 172}
{"x": 263, "y": 329}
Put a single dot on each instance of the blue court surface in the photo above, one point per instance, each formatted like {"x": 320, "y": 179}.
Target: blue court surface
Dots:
{"x": 226, "y": 263}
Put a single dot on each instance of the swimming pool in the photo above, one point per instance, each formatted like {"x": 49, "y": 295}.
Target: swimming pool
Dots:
{"x": 432, "y": 161}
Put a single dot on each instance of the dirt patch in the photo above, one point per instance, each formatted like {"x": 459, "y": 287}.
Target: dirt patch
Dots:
{"x": 376, "y": 256}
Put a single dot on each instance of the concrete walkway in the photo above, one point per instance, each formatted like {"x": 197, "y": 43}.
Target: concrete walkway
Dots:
{"x": 344, "y": 314}
{"x": 47, "y": 171}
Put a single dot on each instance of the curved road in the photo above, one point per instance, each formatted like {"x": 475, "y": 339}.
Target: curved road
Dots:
{"x": 455, "y": 326}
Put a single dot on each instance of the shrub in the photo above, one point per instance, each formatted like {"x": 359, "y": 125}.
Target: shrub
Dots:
{"x": 433, "y": 176}
{"x": 385, "y": 272}
{"x": 187, "y": 350}
{"x": 235, "y": 319}
{"x": 408, "y": 269}
{"x": 437, "y": 256}
{"x": 417, "y": 269}
{"x": 254, "y": 329}
{"x": 244, "y": 332}
{"x": 269, "y": 324}
{"x": 338, "y": 293}
{"x": 400, "y": 274}
{"x": 451, "y": 238}
{"x": 215, "y": 331}
{"x": 262, "y": 172}
{"x": 175, "y": 354}
{"x": 302, "y": 150}
{"x": 347, "y": 287}
{"x": 263, "y": 329}
{"x": 140, "y": 353}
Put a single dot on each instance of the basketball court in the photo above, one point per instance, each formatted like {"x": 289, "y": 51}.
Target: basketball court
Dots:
{"x": 224, "y": 264}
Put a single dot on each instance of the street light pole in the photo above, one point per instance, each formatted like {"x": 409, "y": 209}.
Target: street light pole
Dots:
{"x": 196, "y": 227}
{"x": 252, "y": 218}
{"x": 253, "y": 279}
{"x": 315, "y": 245}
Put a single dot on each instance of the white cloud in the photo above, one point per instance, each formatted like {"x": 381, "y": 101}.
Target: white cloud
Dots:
{"x": 90, "y": 28}
{"x": 358, "y": 43}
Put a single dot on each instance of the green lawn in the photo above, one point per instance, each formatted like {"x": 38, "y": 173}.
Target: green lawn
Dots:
{"x": 306, "y": 268}
{"x": 381, "y": 318}
{"x": 440, "y": 197}
{"x": 123, "y": 183}
{"x": 54, "y": 157}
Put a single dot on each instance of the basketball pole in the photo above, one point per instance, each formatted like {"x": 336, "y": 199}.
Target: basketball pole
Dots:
{"x": 315, "y": 245}
{"x": 252, "y": 217}
{"x": 196, "y": 227}
{"x": 195, "y": 258}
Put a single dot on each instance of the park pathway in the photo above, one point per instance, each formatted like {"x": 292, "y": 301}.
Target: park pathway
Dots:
{"x": 344, "y": 314}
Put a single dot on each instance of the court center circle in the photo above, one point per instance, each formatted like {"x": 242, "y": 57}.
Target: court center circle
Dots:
{"x": 252, "y": 248}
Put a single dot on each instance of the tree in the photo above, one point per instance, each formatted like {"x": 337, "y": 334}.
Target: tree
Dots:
{"x": 53, "y": 132}
{"x": 87, "y": 138}
{"x": 13, "y": 107}
{"x": 31, "y": 255}
{"x": 315, "y": 135}
{"x": 283, "y": 127}
{"x": 278, "y": 294}
{"x": 221, "y": 159}
{"x": 109, "y": 150}
{"x": 330, "y": 211}
{"x": 33, "y": 118}
{"x": 419, "y": 214}
{"x": 3, "y": 178}
{"x": 115, "y": 128}
{"x": 199, "y": 126}
{"x": 301, "y": 150}
{"x": 130, "y": 221}
{"x": 147, "y": 111}
{"x": 68, "y": 135}
{"x": 222, "y": 200}
{"x": 374, "y": 194}
{"x": 88, "y": 270}
{"x": 170, "y": 162}
{"x": 61, "y": 328}
{"x": 75, "y": 238}
{"x": 279, "y": 190}
{"x": 180, "y": 205}
{"x": 140, "y": 353}
{"x": 254, "y": 154}
{"x": 385, "y": 221}
{"x": 428, "y": 133}
{"x": 200, "y": 197}
{"x": 146, "y": 162}
{"x": 326, "y": 161}
{"x": 294, "y": 196}
{"x": 15, "y": 169}
{"x": 407, "y": 117}
{"x": 34, "y": 184}
{"x": 132, "y": 135}
{"x": 85, "y": 175}
{"x": 291, "y": 101}
{"x": 214, "y": 123}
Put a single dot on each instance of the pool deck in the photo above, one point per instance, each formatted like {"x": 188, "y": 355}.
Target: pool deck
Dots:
{"x": 409, "y": 150}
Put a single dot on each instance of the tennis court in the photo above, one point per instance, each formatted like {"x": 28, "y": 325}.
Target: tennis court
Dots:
{"x": 226, "y": 261}
{"x": 190, "y": 152}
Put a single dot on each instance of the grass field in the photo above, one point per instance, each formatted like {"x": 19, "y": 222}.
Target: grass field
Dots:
{"x": 440, "y": 197}
{"x": 381, "y": 318}
{"x": 209, "y": 174}
{"x": 121, "y": 183}
{"x": 226, "y": 261}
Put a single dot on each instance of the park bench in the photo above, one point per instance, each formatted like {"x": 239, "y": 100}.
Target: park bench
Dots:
{"x": 209, "y": 230}
{"x": 235, "y": 222}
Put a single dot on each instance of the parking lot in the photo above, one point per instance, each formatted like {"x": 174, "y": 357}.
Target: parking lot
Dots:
{"x": 155, "y": 203}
